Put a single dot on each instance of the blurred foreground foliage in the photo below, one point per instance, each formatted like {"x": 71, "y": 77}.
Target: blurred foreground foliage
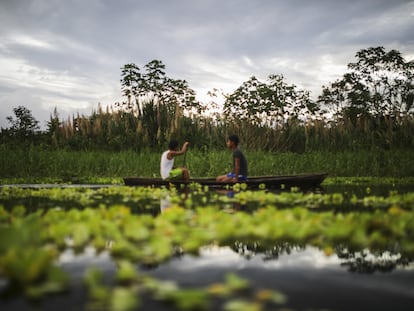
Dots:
{"x": 127, "y": 224}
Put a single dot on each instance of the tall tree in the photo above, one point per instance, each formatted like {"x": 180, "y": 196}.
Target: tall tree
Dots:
{"x": 160, "y": 100}
{"x": 23, "y": 124}
{"x": 379, "y": 83}
{"x": 131, "y": 77}
{"x": 268, "y": 103}
{"x": 155, "y": 85}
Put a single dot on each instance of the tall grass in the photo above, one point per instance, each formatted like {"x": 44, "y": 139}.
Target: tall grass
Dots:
{"x": 35, "y": 163}
{"x": 115, "y": 130}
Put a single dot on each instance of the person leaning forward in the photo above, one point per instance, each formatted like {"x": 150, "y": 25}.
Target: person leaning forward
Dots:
{"x": 167, "y": 169}
{"x": 239, "y": 172}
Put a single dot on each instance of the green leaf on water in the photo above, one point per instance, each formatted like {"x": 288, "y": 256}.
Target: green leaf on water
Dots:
{"x": 242, "y": 305}
{"x": 236, "y": 283}
{"x": 124, "y": 299}
{"x": 190, "y": 299}
{"x": 127, "y": 272}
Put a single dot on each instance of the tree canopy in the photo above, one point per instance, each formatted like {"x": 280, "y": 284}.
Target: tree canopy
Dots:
{"x": 268, "y": 103}
{"x": 23, "y": 124}
{"x": 371, "y": 105}
{"x": 379, "y": 83}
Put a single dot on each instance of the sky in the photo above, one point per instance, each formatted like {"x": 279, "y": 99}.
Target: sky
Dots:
{"x": 68, "y": 54}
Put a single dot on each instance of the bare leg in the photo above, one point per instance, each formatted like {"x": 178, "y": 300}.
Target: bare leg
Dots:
{"x": 224, "y": 178}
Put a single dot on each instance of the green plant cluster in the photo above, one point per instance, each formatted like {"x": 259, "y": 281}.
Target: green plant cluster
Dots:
{"x": 147, "y": 199}
{"x": 31, "y": 239}
{"x": 371, "y": 106}
{"x": 130, "y": 284}
{"x": 36, "y": 165}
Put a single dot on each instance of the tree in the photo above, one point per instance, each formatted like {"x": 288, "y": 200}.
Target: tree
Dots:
{"x": 268, "y": 103}
{"x": 53, "y": 126}
{"x": 154, "y": 85}
{"x": 160, "y": 100}
{"x": 379, "y": 83}
{"x": 24, "y": 124}
{"x": 129, "y": 82}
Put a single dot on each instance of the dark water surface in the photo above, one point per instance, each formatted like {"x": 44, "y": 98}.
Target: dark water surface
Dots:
{"x": 306, "y": 276}
{"x": 309, "y": 279}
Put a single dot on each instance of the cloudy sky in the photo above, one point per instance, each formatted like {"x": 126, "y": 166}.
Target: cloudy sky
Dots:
{"x": 68, "y": 53}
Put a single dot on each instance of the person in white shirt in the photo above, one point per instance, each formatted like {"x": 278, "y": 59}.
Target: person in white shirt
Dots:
{"x": 167, "y": 169}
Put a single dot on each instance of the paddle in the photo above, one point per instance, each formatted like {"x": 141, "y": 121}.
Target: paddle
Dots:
{"x": 185, "y": 174}
{"x": 185, "y": 154}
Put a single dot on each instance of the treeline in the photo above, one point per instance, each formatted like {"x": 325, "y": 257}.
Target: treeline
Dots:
{"x": 371, "y": 106}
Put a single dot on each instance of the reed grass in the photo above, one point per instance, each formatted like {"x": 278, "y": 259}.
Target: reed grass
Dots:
{"x": 116, "y": 130}
{"x": 36, "y": 163}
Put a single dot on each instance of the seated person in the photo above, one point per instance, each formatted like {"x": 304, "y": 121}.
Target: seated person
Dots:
{"x": 167, "y": 169}
{"x": 239, "y": 172}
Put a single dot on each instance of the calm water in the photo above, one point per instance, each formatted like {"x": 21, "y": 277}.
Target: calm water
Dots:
{"x": 309, "y": 279}
{"x": 306, "y": 276}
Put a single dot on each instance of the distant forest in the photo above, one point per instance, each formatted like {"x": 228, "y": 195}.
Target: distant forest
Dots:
{"x": 370, "y": 106}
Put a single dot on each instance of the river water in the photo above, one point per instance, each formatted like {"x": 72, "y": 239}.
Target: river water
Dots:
{"x": 309, "y": 279}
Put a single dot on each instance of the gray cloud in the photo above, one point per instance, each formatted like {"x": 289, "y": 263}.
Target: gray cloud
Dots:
{"x": 68, "y": 54}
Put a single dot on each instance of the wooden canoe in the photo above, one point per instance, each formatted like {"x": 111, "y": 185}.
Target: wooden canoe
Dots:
{"x": 270, "y": 182}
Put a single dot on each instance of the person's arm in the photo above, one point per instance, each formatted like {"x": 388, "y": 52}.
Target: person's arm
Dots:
{"x": 236, "y": 168}
{"x": 174, "y": 153}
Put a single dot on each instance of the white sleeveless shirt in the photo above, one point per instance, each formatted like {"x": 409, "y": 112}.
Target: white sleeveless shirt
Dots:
{"x": 166, "y": 165}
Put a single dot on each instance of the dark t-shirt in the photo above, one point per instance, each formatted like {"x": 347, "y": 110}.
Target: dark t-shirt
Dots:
{"x": 243, "y": 162}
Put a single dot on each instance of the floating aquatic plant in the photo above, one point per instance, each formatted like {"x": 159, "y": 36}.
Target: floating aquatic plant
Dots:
{"x": 116, "y": 220}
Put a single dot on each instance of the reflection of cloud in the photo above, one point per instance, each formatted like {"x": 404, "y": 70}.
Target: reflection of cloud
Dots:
{"x": 212, "y": 256}
{"x": 308, "y": 258}
{"x": 77, "y": 264}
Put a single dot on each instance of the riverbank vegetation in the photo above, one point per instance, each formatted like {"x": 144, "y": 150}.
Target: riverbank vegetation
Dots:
{"x": 37, "y": 165}
{"x": 371, "y": 106}
{"x": 361, "y": 125}
{"x": 360, "y": 131}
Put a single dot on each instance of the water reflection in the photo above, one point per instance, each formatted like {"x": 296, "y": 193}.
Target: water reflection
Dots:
{"x": 366, "y": 262}
{"x": 359, "y": 261}
{"x": 361, "y": 191}
{"x": 310, "y": 279}
{"x": 165, "y": 203}
{"x": 282, "y": 256}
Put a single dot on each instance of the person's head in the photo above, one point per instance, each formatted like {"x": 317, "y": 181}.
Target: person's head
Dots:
{"x": 234, "y": 139}
{"x": 173, "y": 145}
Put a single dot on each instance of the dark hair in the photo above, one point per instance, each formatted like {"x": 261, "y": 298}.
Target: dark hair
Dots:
{"x": 234, "y": 138}
{"x": 173, "y": 145}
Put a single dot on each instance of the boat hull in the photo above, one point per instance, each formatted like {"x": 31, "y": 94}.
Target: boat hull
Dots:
{"x": 269, "y": 182}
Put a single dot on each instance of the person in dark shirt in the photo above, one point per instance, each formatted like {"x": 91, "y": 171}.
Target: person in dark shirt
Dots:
{"x": 239, "y": 172}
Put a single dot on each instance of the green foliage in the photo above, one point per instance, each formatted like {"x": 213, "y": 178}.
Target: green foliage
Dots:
{"x": 27, "y": 259}
{"x": 24, "y": 128}
{"x": 268, "y": 104}
{"x": 380, "y": 83}
{"x": 24, "y": 124}
{"x": 159, "y": 101}
{"x": 370, "y": 108}
{"x": 270, "y": 222}
{"x": 35, "y": 165}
